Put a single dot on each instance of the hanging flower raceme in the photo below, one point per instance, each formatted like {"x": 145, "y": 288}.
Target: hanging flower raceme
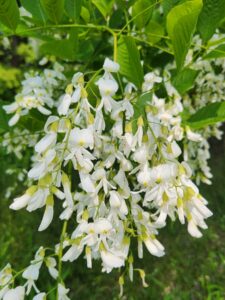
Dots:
{"x": 37, "y": 93}
{"x": 118, "y": 173}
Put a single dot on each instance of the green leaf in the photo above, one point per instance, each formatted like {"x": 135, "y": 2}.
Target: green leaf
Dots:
{"x": 54, "y": 9}
{"x": 85, "y": 50}
{"x": 208, "y": 115}
{"x": 34, "y": 7}
{"x": 168, "y": 5}
{"x": 154, "y": 32}
{"x": 129, "y": 60}
{"x": 181, "y": 24}
{"x": 212, "y": 13}
{"x": 218, "y": 52}
{"x": 73, "y": 9}
{"x": 64, "y": 49}
{"x": 4, "y": 118}
{"x": 60, "y": 48}
{"x": 185, "y": 80}
{"x": 9, "y": 13}
{"x": 104, "y": 6}
{"x": 142, "y": 12}
{"x": 85, "y": 14}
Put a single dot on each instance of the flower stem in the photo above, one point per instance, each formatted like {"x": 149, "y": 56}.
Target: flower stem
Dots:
{"x": 115, "y": 47}
{"x": 61, "y": 253}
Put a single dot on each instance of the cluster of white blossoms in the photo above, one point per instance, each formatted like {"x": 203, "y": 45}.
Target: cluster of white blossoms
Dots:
{"x": 30, "y": 275}
{"x": 115, "y": 167}
{"x": 209, "y": 87}
{"x": 37, "y": 93}
{"x": 16, "y": 141}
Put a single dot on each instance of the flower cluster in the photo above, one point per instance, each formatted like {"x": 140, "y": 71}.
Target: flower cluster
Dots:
{"x": 30, "y": 275}
{"x": 17, "y": 141}
{"x": 209, "y": 87}
{"x": 115, "y": 166}
{"x": 37, "y": 92}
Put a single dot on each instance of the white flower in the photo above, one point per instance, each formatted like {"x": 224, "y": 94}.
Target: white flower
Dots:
{"x": 164, "y": 172}
{"x": 62, "y": 292}
{"x": 41, "y": 296}
{"x": 67, "y": 189}
{"x": 107, "y": 88}
{"x": 114, "y": 199}
{"x": 43, "y": 166}
{"x": 15, "y": 294}
{"x": 48, "y": 214}
{"x": 31, "y": 273}
{"x": 22, "y": 201}
{"x": 111, "y": 260}
{"x": 154, "y": 246}
{"x": 14, "y": 119}
{"x": 99, "y": 123}
{"x": 193, "y": 136}
{"x": 77, "y": 79}
{"x": 193, "y": 229}
{"x": 5, "y": 275}
{"x": 64, "y": 105}
{"x": 11, "y": 108}
{"x": 46, "y": 142}
{"x": 144, "y": 176}
{"x": 149, "y": 80}
{"x": 81, "y": 138}
{"x": 73, "y": 253}
{"x": 86, "y": 183}
{"x": 110, "y": 66}
{"x": 51, "y": 264}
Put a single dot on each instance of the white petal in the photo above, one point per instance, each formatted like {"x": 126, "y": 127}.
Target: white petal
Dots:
{"x": 47, "y": 218}
{"x": 66, "y": 214}
{"x": 11, "y": 108}
{"x": 102, "y": 225}
{"x": 59, "y": 194}
{"x": 53, "y": 272}
{"x": 37, "y": 171}
{"x": 44, "y": 110}
{"x": 193, "y": 229}
{"x": 14, "y": 119}
{"x": 111, "y": 66}
{"x": 47, "y": 141}
{"x": 49, "y": 121}
{"x": 41, "y": 296}
{"x": 64, "y": 105}
{"x": 203, "y": 209}
{"x": 154, "y": 247}
{"x": 76, "y": 95}
{"x": 86, "y": 182}
{"x": 73, "y": 253}
{"x": 20, "y": 202}
{"x": 180, "y": 212}
{"x": 162, "y": 218}
{"x": 15, "y": 294}
{"x": 175, "y": 149}
{"x": 111, "y": 260}
{"x": 62, "y": 291}
{"x": 32, "y": 272}
{"x": 114, "y": 199}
